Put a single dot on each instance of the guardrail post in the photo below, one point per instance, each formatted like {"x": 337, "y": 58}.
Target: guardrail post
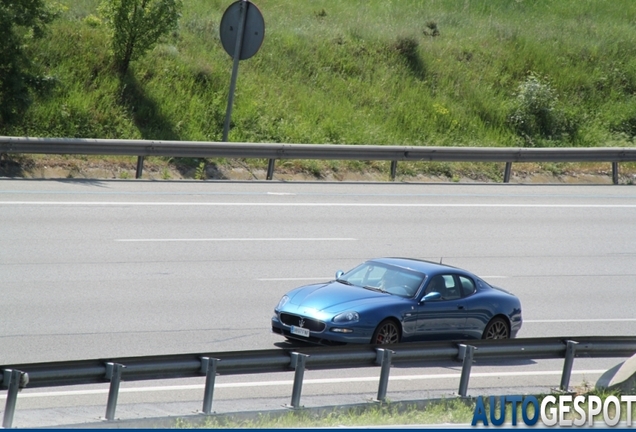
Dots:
{"x": 507, "y": 172}
{"x": 113, "y": 373}
{"x": 383, "y": 357}
{"x": 615, "y": 172}
{"x": 270, "y": 169}
{"x": 298, "y": 363}
{"x": 208, "y": 367}
{"x": 570, "y": 351}
{"x": 140, "y": 167}
{"x": 15, "y": 380}
{"x": 468, "y": 351}
{"x": 393, "y": 169}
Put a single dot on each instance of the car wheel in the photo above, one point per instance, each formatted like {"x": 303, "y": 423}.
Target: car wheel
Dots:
{"x": 386, "y": 333}
{"x": 497, "y": 328}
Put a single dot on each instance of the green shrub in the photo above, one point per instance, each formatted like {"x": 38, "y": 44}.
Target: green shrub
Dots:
{"x": 536, "y": 113}
{"x": 137, "y": 25}
{"x": 21, "y": 22}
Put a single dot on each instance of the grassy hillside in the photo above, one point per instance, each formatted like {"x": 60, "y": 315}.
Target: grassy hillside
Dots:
{"x": 404, "y": 72}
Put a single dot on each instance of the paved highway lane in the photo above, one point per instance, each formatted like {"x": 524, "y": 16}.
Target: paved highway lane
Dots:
{"x": 102, "y": 269}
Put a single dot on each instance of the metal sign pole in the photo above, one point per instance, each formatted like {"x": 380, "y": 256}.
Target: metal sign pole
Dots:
{"x": 237, "y": 57}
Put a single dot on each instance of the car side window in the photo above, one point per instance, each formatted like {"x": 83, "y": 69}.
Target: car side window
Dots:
{"x": 468, "y": 286}
{"x": 446, "y": 286}
{"x": 452, "y": 291}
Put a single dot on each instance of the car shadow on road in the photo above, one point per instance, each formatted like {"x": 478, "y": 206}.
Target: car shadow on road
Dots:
{"x": 294, "y": 344}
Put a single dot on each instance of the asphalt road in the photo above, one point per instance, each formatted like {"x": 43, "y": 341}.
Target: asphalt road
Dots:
{"x": 99, "y": 269}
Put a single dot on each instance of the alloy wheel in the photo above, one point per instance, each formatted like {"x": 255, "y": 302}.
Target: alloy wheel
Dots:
{"x": 387, "y": 333}
{"x": 497, "y": 329}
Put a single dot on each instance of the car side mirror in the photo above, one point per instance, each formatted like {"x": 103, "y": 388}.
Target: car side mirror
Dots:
{"x": 339, "y": 273}
{"x": 431, "y": 296}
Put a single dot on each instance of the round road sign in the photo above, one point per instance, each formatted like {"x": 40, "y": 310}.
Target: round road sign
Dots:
{"x": 253, "y": 31}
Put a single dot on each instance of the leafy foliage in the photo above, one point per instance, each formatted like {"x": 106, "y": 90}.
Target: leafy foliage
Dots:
{"x": 137, "y": 25}
{"x": 199, "y": 172}
{"x": 536, "y": 112}
{"x": 20, "y": 22}
{"x": 626, "y": 126}
{"x": 353, "y": 73}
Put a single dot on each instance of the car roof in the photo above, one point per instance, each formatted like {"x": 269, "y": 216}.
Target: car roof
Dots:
{"x": 422, "y": 266}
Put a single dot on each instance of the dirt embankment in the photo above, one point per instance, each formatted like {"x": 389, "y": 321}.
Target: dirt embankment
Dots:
{"x": 56, "y": 167}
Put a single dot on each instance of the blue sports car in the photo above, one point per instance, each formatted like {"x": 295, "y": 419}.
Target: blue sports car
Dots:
{"x": 391, "y": 300}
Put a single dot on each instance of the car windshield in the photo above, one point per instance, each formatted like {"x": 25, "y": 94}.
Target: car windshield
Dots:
{"x": 384, "y": 277}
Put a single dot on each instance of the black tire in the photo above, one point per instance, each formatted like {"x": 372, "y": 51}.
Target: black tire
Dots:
{"x": 387, "y": 332}
{"x": 497, "y": 328}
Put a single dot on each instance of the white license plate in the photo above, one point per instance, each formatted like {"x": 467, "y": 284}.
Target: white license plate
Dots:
{"x": 300, "y": 331}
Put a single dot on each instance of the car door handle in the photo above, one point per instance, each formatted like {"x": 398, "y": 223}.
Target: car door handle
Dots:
{"x": 460, "y": 307}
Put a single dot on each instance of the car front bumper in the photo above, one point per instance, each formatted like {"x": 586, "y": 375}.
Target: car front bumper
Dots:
{"x": 325, "y": 337}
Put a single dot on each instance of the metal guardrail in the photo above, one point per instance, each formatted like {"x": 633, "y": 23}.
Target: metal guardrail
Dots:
{"x": 143, "y": 148}
{"x": 15, "y": 377}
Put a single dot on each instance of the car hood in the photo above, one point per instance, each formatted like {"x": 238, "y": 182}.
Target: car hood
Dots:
{"x": 336, "y": 297}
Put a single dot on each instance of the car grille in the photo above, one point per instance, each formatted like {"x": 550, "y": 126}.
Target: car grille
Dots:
{"x": 308, "y": 323}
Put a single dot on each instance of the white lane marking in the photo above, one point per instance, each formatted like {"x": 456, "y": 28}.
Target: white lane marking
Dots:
{"x": 582, "y": 320}
{"x": 234, "y": 239}
{"x": 26, "y": 394}
{"x": 244, "y": 204}
{"x": 295, "y": 279}
{"x": 328, "y": 278}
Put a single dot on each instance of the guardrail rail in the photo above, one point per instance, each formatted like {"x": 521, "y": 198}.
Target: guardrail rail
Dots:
{"x": 209, "y": 365}
{"x": 393, "y": 153}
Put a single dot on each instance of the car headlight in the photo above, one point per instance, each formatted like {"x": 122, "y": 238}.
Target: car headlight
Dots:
{"x": 283, "y": 301}
{"x": 346, "y": 317}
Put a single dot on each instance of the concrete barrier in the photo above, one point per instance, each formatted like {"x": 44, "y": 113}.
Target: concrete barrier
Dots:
{"x": 621, "y": 377}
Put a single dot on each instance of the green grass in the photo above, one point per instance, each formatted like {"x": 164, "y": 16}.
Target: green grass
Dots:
{"x": 445, "y": 411}
{"x": 377, "y": 72}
